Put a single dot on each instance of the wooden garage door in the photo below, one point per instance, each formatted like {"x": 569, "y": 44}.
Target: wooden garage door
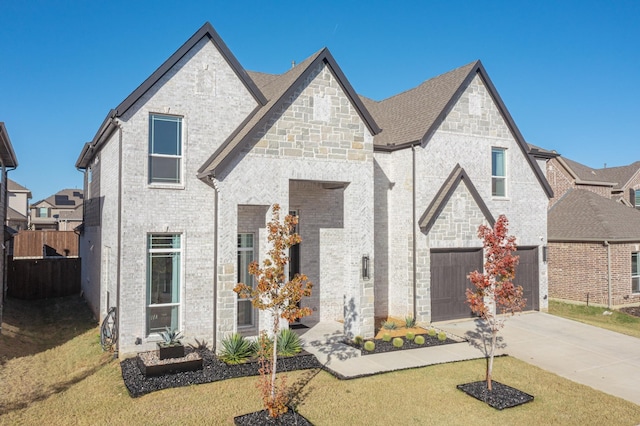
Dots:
{"x": 527, "y": 275}
{"x": 449, "y": 282}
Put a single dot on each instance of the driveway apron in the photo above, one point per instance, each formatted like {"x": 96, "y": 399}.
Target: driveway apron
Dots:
{"x": 603, "y": 359}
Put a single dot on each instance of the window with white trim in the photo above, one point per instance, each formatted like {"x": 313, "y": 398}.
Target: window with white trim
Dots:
{"x": 635, "y": 272}
{"x": 498, "y": 172}
{"x": 246, "y": 311}
{"x": 637, "y": 199}
{"x": 43, "y": 212}
{"x": 165, "y": 149}
{"x": 163, "y": 281}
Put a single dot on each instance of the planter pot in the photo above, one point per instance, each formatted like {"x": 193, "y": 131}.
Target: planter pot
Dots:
{"x": 170, "y": 351}
{"x": 172, "y": 367}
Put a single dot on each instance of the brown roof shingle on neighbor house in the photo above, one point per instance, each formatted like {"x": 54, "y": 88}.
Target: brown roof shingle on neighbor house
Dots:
{"x": 581, "y": 215}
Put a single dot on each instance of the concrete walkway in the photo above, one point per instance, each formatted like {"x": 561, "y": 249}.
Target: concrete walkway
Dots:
{"x": 324, "y": 340}
{"x": 602, "y": 359}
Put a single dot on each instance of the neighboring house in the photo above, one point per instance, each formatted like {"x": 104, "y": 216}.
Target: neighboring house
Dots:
{"x": 62, "y": 211}
{"x": 8, "y": 162}
{"x": 18, "y": 208}
{"x": 594, "y": 233}
{"x": 181, "y": 175}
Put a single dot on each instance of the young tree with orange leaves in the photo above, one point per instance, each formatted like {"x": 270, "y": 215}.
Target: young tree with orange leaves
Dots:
{"x": 274, "y": 293}
{"x": 494, "y": 291}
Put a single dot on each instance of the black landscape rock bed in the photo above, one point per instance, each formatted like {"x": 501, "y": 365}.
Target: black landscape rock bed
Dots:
{"x": 290, "y": 418}
{"x": 500, "y": 397}
{"x": 382, "y": 346}
{"x": 213, "y": 370}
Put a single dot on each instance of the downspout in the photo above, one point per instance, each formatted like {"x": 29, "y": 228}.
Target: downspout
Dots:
{"x": 606, "y": 244}
{"x": 215, "y": 261}
{"x": 413, "y": 225}
{"x": 119, "y": 250}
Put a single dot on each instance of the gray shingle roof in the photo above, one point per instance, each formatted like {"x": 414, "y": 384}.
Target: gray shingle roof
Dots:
{"x": 16, "y": 187}
{"x": 408, "y": 116}
{"x": 581, "y": 215}
{"x": 621, "y": 175}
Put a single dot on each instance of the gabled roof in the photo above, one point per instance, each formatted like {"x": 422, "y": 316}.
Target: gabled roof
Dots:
{"x": 65, "y": 199}
{"x": 13, "y": 186}
{"x": 13, "y": 214}
{"x": 621, "y": 175}
{"x": 278, "y": 89}
{"x": 7, "y": 156}
{"x": 206, "y": 30}
{"x": 445, "y": 192}
{"x": 412, "y": 117}
{"x": 582, "y": 215}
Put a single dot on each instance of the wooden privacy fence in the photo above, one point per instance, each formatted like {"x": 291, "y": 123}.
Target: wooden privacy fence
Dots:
{"x": 32, "y": 279}
{"x": 45, "y": 243}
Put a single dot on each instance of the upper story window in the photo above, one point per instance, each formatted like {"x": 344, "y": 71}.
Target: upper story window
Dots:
{"x": 498, "y": 172}
{"x": 43, "y": 212}
{"x": 165, "y": 149}
{"x": 635, "y": 272}
{"x": 637, "y": 199}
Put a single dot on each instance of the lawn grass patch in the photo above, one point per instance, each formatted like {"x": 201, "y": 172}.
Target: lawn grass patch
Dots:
{"x": 88, "y": 389}
{"x": 593, "y": 315}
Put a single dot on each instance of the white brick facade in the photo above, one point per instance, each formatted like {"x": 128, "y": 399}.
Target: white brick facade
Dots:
{"x": 313, "y": 153}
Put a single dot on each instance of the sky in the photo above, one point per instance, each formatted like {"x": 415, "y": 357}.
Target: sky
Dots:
{"x": 566, "y": 70}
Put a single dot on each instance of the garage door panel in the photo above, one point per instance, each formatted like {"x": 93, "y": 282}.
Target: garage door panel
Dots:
{"x": 449, "y": 270}
{"x": 527, "y": 276}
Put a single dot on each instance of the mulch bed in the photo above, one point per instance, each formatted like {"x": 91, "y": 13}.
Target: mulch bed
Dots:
{"x": 382, "y": 346}
{"x": 500, "y": 397}
{"x": 259, "y": 418}
{"x": 213, "y": 370}
{"x": 632, "y": 310}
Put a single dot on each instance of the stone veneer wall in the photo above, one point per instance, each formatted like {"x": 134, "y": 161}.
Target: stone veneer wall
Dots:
{"x": 578, "y": 269}
{"x": 316, "y": 136}
{"x": 466, "y": 136}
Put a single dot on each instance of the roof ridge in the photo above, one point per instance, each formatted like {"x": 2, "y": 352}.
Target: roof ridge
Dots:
{"x": 470, "y": 65}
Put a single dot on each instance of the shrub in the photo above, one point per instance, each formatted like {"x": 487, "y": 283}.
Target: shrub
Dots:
{"x": 389, "y": 325}
{"x": 171, "y": 337}
{"x": 398, "y": 342}
{"x": 358, "y": 340}
{"x": 199, "y": 346}
{"x": 442, "y": 336}
{"x": 386, "y": 337}
{"x": 419, "y": 340}
{"x": 236, "y": 349}
{"x": 431, "y": 332}
{"x": 288, "y": 343}
{"x": 369, "y": 346}
{"x": 409, "y": 322}
{"x": 410, "y": 335}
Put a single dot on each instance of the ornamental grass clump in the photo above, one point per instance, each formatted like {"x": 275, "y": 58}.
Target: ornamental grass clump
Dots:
{"x": 410, "y": 335}
{"x": 432, "y": 332}
{"x": 386, "y": 337}
{"x": 236, "y": 349}
{"x": 289, "y": 343}
{"x": 398, "y": 342}
{"x": 369, "y": 346}
{"x": 358, "y": 340}
{"x": 442, "y": 336}
{"x": 409, "y": 322}
{"x": 419, "y": 340}
{"x": 389, "y": 325}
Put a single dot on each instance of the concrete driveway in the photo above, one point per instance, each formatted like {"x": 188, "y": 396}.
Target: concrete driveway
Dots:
{"x": 595, "y": 357}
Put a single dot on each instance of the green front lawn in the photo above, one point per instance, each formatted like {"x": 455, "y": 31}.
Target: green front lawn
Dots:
{"x": 75, "y": 383}
{"x": 617, "y": 321}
